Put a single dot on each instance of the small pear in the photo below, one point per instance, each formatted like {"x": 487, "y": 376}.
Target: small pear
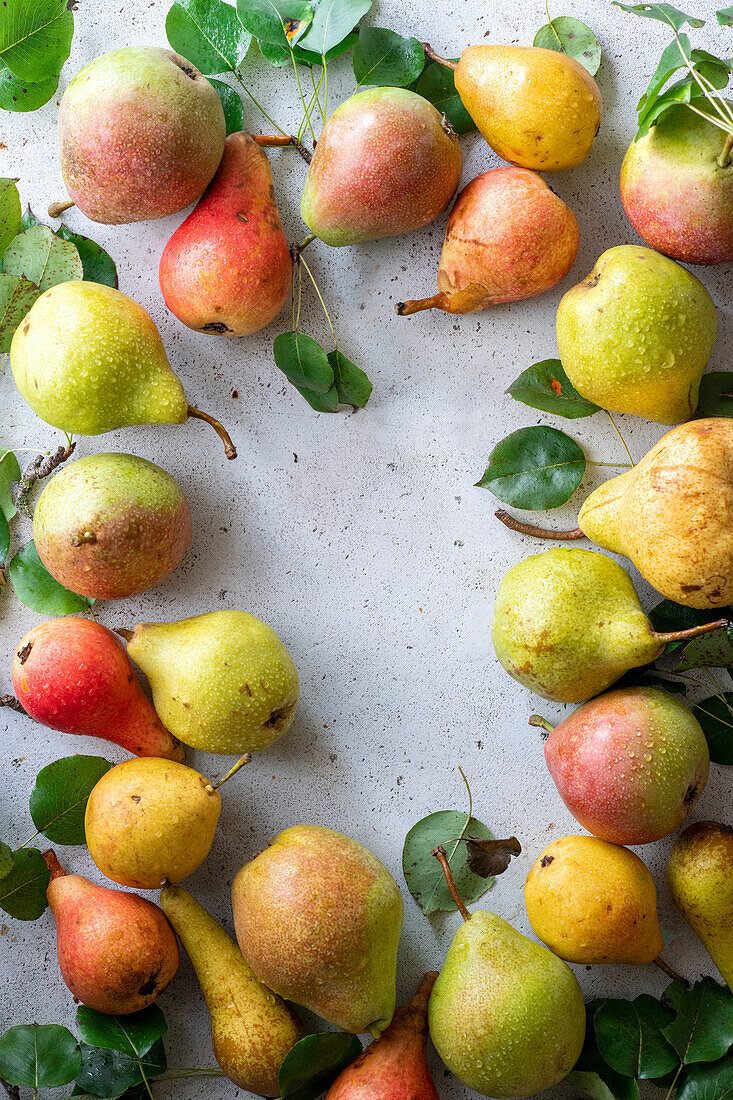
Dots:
{"x": 151, "y": 820}
{"x": 116, "y": 950}
{"x": 88, "y": 360}
{"x": 252, "y": 1029}
{"x": 318, "y": 919}
{"x": 593, "y": 902}
{"x": 223, "y": 681}
{"x": 701, "y": 883}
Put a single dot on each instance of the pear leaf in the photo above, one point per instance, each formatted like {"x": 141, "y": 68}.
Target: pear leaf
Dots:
{"x": 664, "y": 13}
{"x": 303, "y": 362}
{"x": 594, "y": 1077}
{"x": 332, "y": 21}
{"x": 423, "y": 874}
{"x": 10, "y": 220}
{"x": 110, "y": 1074}
{"x": 41, "y": 257}
{"x": 714, "y": 650}
{"x": 716, "y": 394}
{"x": 436, "y": 84}
{"x": 39, "y": 1056}
{"x": 231, "y": 104}
{"x": 352, "y": 385}
{"x": 29, "y": 219}
{"x": 314, "y": 1063}
{"x": 630, "y": 1039}
{"x": 668, "y": 616}
{"x": 21, "y": 95}
{"x": 208, "y": 33}
{"x": 280, "y": 22}
{"x": 322, "y": 402}
{"x": 36, "y": 588}
{"x": 97, "y": 265}
{"x": 59, "y": 798}
{"x": 567, "y": 35}
{"x": 17, "y": 295}
{"x": 535, "y": 468}
{"x": 487, "y": 858}
{"x": 132, "y": 1035}
{"x": 282, "y": 55}
{"x": 707, "y": 1081}
{"x": 23, "y": 889}
{"x": 6, "y": 859}
{"x": 702, "y": 1030}
{"x": 546, "y": 386}
{"x": 715, "y": 715}
{"x": 4, "y": 539}
{"x": 725, "y": 16}
{"x": 35, "y": 37}
{"x": 384, "y": 58}
{"x": 9, "y": 472}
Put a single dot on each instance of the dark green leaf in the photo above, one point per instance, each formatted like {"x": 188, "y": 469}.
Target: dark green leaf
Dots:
{"x": 232, "y": 106}
{"x": 4, "y": 539}
{"x": 16, "y": 298}
{"x": 36, "y": 588}
{"x": 684, "y": 91}
{"x": 707, "y": 1081}
{"x": 98, "y": 266}
{"x": 21, "y": 95}
{"x": 423, "y": 873}
{"x": 570, "y": 36}
{"x": 303, "y": 362}
{"x": 436, "y": 84}
{"x": 208, "y": 33}
{"x": 59, "y": 797}
{"x": 39, "y": 1056}
{"x": 9, "y": 471}
{"x": 725, "y": 16}
{"x": 546, "y": 386}
{"x": 668, "y": 616}
{"x": 41, "y": 257}
{"x": 534, "y": 468}
{"x": 382, "y": 57}
{"x": 10, "y": 220}
{"x": 280, "y": 22}
{"x": 714, "y": 650}
{"x": 132, "y": 1035}
{"x": 281, "y": 55}
{"x": 23, "y": 890}
{"x": 715, "y": 715}
{"x": 702, "y": 1031}
{"x": 629, "y": 1037}
{"x": 352, "y": 385}
{"x": 333, "y": 20}
{"x": 664, "y": 13}
{"x": 592, "y": 1075}
{"x": 313, "y": 1064}
{"x": 6, "y": 859}
{"x": 322, "y": 402}
{"x": 716, "y": 394}
{"x": 109, "y": 1073}
{"x": 35, "y": 37}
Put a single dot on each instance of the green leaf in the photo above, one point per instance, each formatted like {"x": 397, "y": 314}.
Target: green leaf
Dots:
{"x": 303, "y": 362}
{"x": 23, "y": 890}
{"x": 423, "y": 873}
{"x": 36, "y": 588}
{"x": 132, "y": 1035}
{"x": 322, "y": 402}
{"x": 41, "y": 257}
{"x": 715, "y": 715}
{"x": 707, "y": 1081}
{"x": 109, "y": 1073}
{"x": 352, "y": 385}
{"x": 333, "y": 20}
{"x": 668, "y": 616}
{"x": 702, "y": 1031}
{"x": 594, "y": 1077}
{"x": 232, "y": 105}
{"x": 570, "y": 36}
{"x": 629, "y": 1037}
{"x": 546, "y": 386}
{"x": 21, "y": 95}
{"x": 39, "y": 1056}
{"x": 97, "y": 265}
{"x": 280, "y": 22}
{"x": 436, "y": 84}
{"x": 725, "y": 16}
{"x": 9, "y": 471}
{"x": 314, "y": 1063}
{"x": 59, "y": 797}
{"x": 281, "y": 55}
{"x": 10, "y": 220}
{"x": 716, "y": 394}
{"x": 534, "y": 468}
{"x": 713, "y": 650}
{"x": 35, "y": 37}
{"x": 670, "y": 62}
{"x": 208, "y": 33}
{"x": 664, "y": 13}
{"x": 6, "y": 859}
{"x": 4, "y": 539}
{"x": 17, "y": 295}
{"x": 384, "y": 58}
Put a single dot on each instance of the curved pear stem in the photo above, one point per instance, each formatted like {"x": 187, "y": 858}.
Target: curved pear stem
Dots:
{"x": 724, "y": 158}
{"x": 51, "y": 860}
{"x": 536, "y": 532}
{"x": 442, "y": 857}
{"x": 229, "y": 449}
{"x": 56, "y": 209}
{"x": 126, "y": 634}
{"x": 430, "y": 52}
{"x": 13, "y": 703}
{"x": 538, "y": 720}
{"x": 232, "y": 771}
{"x": 280, "y": 141}
{"x": 416, "y": 305}
{"x": 659, "y": 961}
{"x": 426, "y": 987}
{"x": 694, "y": 631}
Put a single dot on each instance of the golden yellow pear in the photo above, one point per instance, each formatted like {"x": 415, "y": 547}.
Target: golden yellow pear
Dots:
{"x": 593, "y": 902}
{"x": 700, "y": 877}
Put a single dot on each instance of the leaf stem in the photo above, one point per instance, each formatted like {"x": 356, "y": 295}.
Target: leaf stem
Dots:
{"x": 618, "y": 433}
{"x": 259, "y": 106}
{"x": 552, "y": 25}
{"x": 659, "y": 961}
{"x": 442, "y": 858}
{"x": 320, "y": 299}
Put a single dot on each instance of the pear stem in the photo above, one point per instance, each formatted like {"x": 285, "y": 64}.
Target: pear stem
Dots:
{"x": 694, "y": 631}
{"x": 436, "y": 57}
{"x": 538, "y": 720}
{"x": 232, "y": 771}
{"x": 724, "y": 158}
{"x": 298, "y": 248}
{"x": 126, "y": 634}
{"x": 229, "y": 449}
{"x": 13, "y": 703}
{"x": 442, "y": 857}
{"x": 536, "y": 532}
{"x": 416, "y": 305}
{"x": 280, "y": 141}
{"x": 51, "y": 861}
{"x": 426, "y": 985}
{"x": 56, "y": 209}
{"x": 659, "y": 961}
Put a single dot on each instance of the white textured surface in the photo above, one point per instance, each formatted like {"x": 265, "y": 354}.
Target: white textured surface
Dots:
{"x": 359, "y": 538}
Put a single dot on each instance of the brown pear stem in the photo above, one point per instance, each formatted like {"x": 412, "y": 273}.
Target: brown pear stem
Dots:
{"x": 13, "y": 703}
{"x": 538, "y": 720}
{"x": 51, "y": 861}
{"x": 724, "y": 158}
{"x": 659, "y": 961}
{"x": 56, "y": 209}
{"x": 280, "y": 141}
{"x": 229, "y": 449}
{"x": 536, "y": 532}
{"x": 426, "y": 986}
{"x": 694, "y": 631}
{"x": 123, "y": 633}
{"x": 232, "y": 771}
{"x": 442, "y": 857}
{"x": 430, "y": 52}
{"x": 417, "y": 305}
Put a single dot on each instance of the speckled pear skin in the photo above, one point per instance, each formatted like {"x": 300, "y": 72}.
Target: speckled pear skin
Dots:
{"x": 701, "y": 883}
{"x": 223, "y": 680}
{"x": 252, "y": 1029}
{"x": 568, "y": 623}
{"x": 141, "y": 133}
{"x": 386, "y": 163}
{"x": 536, "y": 108}
{"x": 148, "y": 820}
{"x": 635, "y": 335}
{"x": 318, "y": 918}
{"x": 88, "y": 359}
{"x": 593, "y": 902}
{"x": 506, "y": 1015}
{"x": 672, "y": 514}
{"x": 674, "y": 192}
{"x": 110, "y": 526}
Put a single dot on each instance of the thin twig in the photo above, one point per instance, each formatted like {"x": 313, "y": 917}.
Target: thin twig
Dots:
{"x": 38, "y": 468}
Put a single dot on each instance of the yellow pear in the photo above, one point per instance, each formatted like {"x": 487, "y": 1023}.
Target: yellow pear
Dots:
{"x": 700, "y": 876}
{"x": 593, "y": 902}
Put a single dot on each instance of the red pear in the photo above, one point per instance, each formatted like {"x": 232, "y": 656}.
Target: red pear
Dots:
{"x": 116, "y": 950}
{"x": 74, "y": 675}
{"x": 393, "y": 1067}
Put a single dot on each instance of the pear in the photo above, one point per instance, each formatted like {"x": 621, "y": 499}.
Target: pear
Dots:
{"x": 88, "y": 359}
{"x": 508, "y": 237}
{"x": 110, "y": 526}
{"x": 700, "y": 880}
{"x": 593, "y": 902}
{"x": 386, "y": 163}
{"x": 635, "y": 335}
{"x": 568, "y": 623}
{"x": 73, "y": 675}
{"x": 629, "y": 765}
{"x": 227, "y": 268}
{"x": 150, "y": 820}
{"x": 318, "y": 919}
{"x": 223, "y": 681}
{"x": 141, "y": 133}
{"x": 252, "y": 1029}
{"x": 116, "y": 950}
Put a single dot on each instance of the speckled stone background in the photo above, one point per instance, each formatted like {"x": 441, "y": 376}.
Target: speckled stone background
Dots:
{"x": 360, "y": 538}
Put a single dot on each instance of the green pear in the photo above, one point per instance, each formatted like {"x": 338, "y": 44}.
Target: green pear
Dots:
{"x": 636, "y": 334}
{"x": 318, "y": 919}
{"x": 224, "y": 681}
{"x": 252, "y": 1029}
{"x": 568, "y": 623}
{"x": 701, "y": 883}
{"x": 88, "y": 360}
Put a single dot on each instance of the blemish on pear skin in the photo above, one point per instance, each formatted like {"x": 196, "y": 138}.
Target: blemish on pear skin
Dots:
{"x": 546, "y": 861}
{"x": 25, "y": 652}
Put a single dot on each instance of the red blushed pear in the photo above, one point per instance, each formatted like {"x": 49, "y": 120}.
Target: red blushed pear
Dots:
{"x": 227, "y": 268}
{"x": 73, "y": 675}
{"x": 508, "y": 237}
